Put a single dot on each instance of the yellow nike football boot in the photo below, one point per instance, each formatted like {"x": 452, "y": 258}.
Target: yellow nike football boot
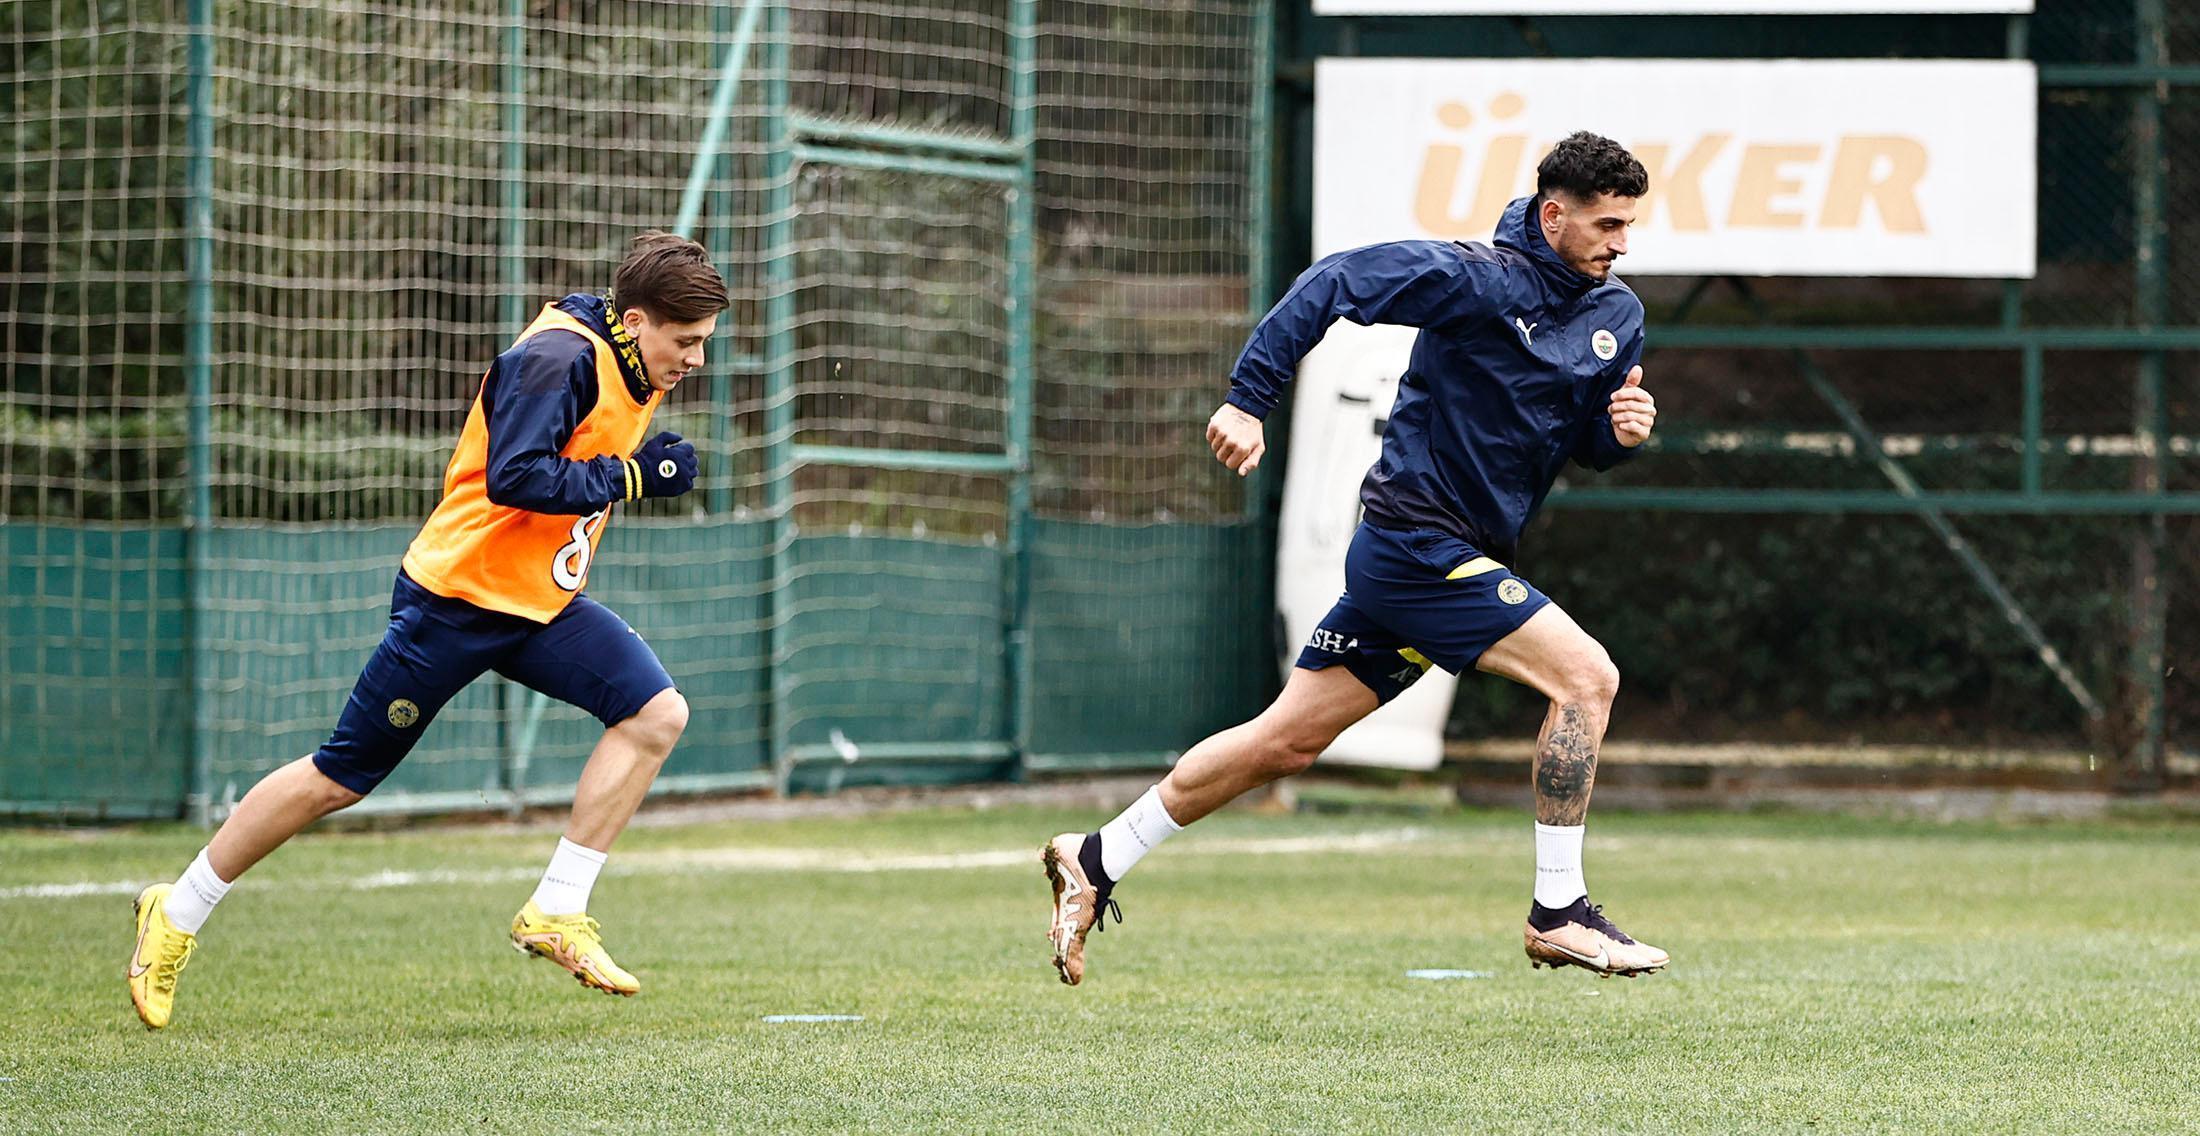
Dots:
{"x": 158, "y": 958}
{"x": 575, "y": 943}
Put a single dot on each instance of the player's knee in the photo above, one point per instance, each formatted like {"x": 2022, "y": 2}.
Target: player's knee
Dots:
{"x": 1294, "y": 761}
{"x": 1591, "y": 678}
{"x": 324, "y": 795}
{"x": 661, "y": 722}
{"x": 1292, "y": 748}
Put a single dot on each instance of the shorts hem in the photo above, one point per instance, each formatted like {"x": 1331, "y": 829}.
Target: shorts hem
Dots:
{"x": 1527, "y": 613}
{"x": 609, "y": 721}
{"x": 343, "y": 775}
{"x": 1384, "y": 693}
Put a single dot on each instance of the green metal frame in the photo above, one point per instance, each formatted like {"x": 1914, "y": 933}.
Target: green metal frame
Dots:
{"x": 2146, "y": 765}
{"x": 388, "y": 803}
{"x": 713, "y": 142}
{"x": 1088, "y": 763}
{"x": 791, "y": 140}
{"x": 1263, "y": 496}
{"x": 1932, "y": 338}
{"x": 199, "y": 396}
{"x": 829, "y": 131}
{"x": 969, "y": 170}
{"x": 513, "y": 269}
{"x": 518, "y": 741}
{"x": 2152, "y": 71}
{"x": 518, "y": 746}
{"x": 935, "y": 460}
{"x": 973, "y": 751}
{"x": 739, "y": 33}
{"x": 2147, "y": 81}
{"x": 1023, "y": 289}
{"x": 779, "y": 361}
{"x": 801, "y": 139}
{"x": 1962, "y": 502}
{"x": 1936, "y": 519}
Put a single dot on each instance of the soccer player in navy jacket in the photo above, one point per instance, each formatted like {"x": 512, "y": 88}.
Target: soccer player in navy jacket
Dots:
{"x": 1527, "y": 359}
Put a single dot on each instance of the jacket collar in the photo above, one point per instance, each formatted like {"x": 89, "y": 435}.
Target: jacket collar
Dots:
{"x": 1517, "y": 230}
{"x": 597, "y": 313}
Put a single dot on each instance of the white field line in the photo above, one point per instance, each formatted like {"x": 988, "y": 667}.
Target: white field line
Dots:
{"x": 697, "y": 861}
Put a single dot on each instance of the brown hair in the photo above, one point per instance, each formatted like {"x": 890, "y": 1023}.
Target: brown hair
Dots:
{"x": 670, "y": 278}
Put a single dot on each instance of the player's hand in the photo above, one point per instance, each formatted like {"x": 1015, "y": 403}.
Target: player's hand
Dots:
{"x": 664, "y": 466}
{"x": 1237, "y": 439}
{"x": 1634, "y": 412}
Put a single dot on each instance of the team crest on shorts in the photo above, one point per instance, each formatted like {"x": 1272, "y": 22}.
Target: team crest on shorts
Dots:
{"x": 1512, "y": 591}
{"x": 1605, "y": 344}
{"x": 404, "y": 712}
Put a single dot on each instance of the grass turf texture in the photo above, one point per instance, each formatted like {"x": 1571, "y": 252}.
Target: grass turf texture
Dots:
{"x": 1829, "y": 976}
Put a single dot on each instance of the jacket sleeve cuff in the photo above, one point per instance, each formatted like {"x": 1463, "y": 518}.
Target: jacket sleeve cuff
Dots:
{"x": 1245, "y": 400}
{"x": 1609, "y": 453}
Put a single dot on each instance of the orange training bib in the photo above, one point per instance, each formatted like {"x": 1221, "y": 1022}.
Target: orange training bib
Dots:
{"x": 512, "y": 560}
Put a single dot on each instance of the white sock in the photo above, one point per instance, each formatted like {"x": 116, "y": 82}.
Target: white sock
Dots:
{"x": 1141, "y": 827}
{"x": 566, "y": 883}
{"x": 1558, "y": 879}
{"x": 198, "y": 889}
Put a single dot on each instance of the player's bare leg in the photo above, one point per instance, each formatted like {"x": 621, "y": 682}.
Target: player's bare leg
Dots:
{"x": 621, "y": 768}
{"x": 555, "y": 923}
{"x": 1313, "y": 709}
{"x": 1552, "y": 654}
{"x": 276, "y": 809}
{"x": 168, "y": 916}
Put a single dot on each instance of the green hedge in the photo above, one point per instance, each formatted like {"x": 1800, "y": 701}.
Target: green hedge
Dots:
{"x": 1828, "y": 628}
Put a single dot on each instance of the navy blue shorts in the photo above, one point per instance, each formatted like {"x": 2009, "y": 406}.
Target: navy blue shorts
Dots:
{"x": 436, "y": 645}
{"x": 1413, "y": 600}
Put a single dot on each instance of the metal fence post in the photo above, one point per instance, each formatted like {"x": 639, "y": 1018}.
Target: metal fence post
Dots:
{"x": 725, "y": 425}
{"x": 513, "y": 267}
{"x": 1022, "y": 302}
{"x": 2142, "y": 766}
{"x": 198, "y": 397}
{"x": 512, "y": 276}
{"x": 778, "y": 363}
{"x": 1263, "y": 499}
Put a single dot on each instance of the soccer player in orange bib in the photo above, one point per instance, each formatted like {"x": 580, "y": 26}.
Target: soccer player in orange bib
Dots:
{"x": 493, "y": 582}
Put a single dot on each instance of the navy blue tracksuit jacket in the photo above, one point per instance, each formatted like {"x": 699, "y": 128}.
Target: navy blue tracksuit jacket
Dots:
{"x": 1511, "y": 376}
{"x": 535, "y": 394}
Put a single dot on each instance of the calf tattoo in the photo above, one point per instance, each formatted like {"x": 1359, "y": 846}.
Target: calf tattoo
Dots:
{"x": 1565, "y": 769}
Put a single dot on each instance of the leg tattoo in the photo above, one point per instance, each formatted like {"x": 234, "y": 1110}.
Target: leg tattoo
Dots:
{"x": 1565, "y": 768}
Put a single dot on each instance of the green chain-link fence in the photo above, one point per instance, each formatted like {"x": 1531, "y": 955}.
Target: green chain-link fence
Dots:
{"x": 991, "y": 262}
{"x": 987, "y": 258}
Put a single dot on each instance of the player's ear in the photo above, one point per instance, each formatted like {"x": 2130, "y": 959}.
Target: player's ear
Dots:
{"x": 633, "y": 318}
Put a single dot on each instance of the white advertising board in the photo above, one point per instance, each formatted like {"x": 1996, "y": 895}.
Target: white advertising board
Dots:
{"x": 1653, "y": 7}
{"x": 1757, "y": 167}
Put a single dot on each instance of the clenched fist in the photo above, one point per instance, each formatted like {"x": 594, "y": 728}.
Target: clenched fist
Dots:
{"x": 1634, "y": 412}
{"x": 1237, "y": 439}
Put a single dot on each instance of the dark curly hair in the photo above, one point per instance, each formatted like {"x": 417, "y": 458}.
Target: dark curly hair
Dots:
{"x": 1585, "y": 165}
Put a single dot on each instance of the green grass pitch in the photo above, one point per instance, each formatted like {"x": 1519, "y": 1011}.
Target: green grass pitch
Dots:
{"x": 1829, "y": 976}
